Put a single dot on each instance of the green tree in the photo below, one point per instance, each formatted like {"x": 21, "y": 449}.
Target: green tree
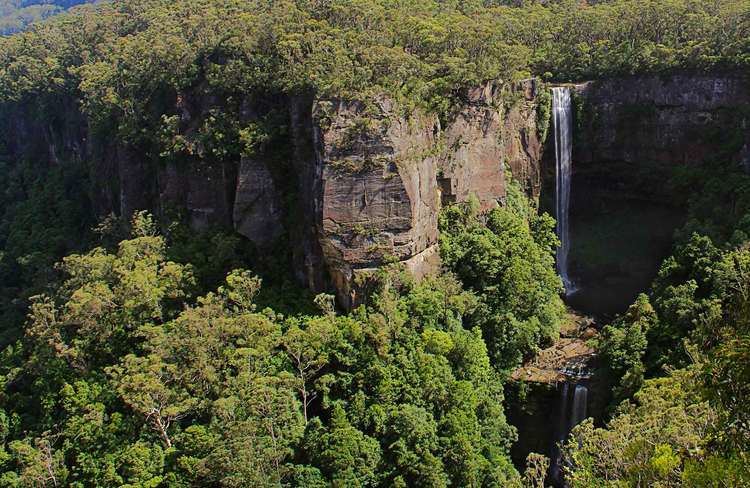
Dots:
{"x": 507, "y": 257}
{"x": 646, "y": 443}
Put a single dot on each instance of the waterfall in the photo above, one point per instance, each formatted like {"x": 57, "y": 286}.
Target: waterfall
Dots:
{"x": 570, "y": 415}
{"x": 562, "y": 424}
{"x": 560, "y": 435}
{"x": 580, "y": 397}
{"x": 562, "y": 125}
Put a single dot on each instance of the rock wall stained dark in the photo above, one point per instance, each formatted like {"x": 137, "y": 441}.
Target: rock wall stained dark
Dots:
{"x": 631, "y": 133}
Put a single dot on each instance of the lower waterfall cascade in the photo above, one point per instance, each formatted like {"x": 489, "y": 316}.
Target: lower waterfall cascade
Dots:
{"x": 573, "y": 409}
{"x": 578, "y": 413}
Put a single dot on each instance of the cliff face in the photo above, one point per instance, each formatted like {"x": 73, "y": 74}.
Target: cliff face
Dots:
{"x": 351, "y": 186}
{"x": 633, "y": 139}
{"x": 379, "y": 199}
{"x": 632, "y": 133}
{"x": 384, "y": 175}
{"x": 381, "y": 177}
{"x": 355, "y": 185}
{"x": 495, "y": 130}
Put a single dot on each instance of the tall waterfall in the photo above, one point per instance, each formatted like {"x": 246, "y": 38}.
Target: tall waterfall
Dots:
{"x": 562, "y": 124}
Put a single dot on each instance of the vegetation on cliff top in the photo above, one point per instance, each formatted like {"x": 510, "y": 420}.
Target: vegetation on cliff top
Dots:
{"x": 122, "y": 56}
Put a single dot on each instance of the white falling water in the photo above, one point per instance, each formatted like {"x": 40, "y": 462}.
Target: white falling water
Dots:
{"x": 570, "y": 415}
{"x": 580, "y": 398}
{"x": 562, "y": 432}
{"x": 562, "y": 125}
{"x": 560, "y": 436}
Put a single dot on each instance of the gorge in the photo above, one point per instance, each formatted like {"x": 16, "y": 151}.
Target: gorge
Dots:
{"x": 635, "y": 215}
{"x": 376, "y": 243}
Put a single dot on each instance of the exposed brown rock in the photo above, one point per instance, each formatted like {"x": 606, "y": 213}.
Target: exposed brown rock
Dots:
{"x": 570, "y": 356}
{"x": 379, "y": 198}
{"x": 472, "y": 159}
{"x": 495, "y": 129}
{"x": 364, "y": 176}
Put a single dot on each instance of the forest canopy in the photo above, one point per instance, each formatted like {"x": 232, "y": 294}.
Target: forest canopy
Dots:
{"x": 122, "y": 53}
{"x": 125, "y": 378}
{"x": 16, "y": 15}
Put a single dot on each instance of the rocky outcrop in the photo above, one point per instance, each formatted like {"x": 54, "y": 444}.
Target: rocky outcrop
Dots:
{"x": 350, "y": 185}
{"x": 495, "y": 131}
{"x": 522, "y": 137}
{"x": 380, "y": 197}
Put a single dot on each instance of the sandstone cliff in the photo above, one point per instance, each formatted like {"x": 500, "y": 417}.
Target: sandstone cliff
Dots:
{"x": 385, "y": 174}
{"x": 352, "y": 184}
{"x": 368, "y": 179}
{"x": 348, "y": 186}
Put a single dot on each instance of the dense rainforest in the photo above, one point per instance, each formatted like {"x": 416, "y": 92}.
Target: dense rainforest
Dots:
{"x": 140, "y": 351}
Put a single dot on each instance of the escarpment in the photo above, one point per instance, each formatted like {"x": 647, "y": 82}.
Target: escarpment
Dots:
{"x": 385, "y": 175}
{"x": 348, "y": 185}
{"x": 345, "y": 185}
{"x": 496, "y": 130}
{"x": 632, "y": 133}
{"x": 379, "y": 200}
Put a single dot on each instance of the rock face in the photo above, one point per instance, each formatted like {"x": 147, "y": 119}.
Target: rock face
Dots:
{"x": 380, "y": 172}
{"x": 495, "y": 130}
{"x": 355, "y": 185}
{"x": 633, "y": 132}
{"x": 379, "y": 197}
{"x": 632, "y": 138}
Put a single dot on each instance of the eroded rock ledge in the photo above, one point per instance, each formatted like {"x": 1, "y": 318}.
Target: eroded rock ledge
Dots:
{"x": 570, "y": 358}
